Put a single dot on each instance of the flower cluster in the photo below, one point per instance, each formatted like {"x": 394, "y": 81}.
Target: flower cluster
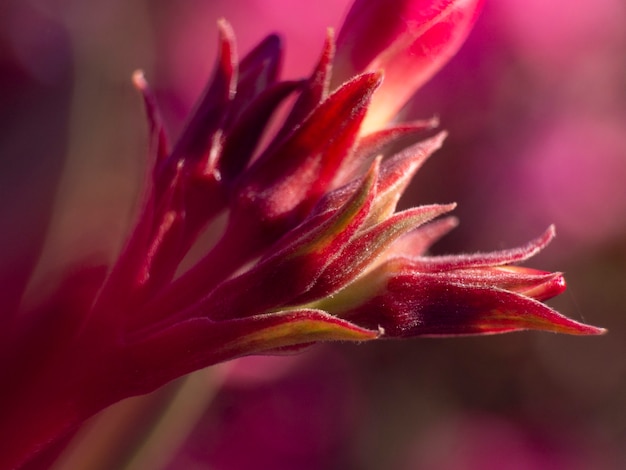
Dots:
{"x": 312, "y": 249}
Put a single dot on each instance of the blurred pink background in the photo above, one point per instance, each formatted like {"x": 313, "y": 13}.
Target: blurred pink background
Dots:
{"x": 535, "y": 104}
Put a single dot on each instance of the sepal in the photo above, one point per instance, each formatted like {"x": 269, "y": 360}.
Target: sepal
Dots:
{"x": 417, "y": 304}
{"x": 200, "y": 342}
{"x": 493, "y": 258}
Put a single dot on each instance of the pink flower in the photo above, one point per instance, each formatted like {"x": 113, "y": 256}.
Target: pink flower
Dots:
{"x": 410, "y": 41}
{"x": 313, "y": 249}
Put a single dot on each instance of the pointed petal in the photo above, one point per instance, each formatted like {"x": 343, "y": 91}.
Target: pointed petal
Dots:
{"x": 418, "y": 241}
{"x": 410, "y": 41}
{"x": 385, "y": 142}
{"x": 159, "y": 142}
{"x": 395, "y": 175}
{"x": 397, "y": 172}
{"x": 284, "y": 184}
{"x": 314, "y": 91}
{"x": 550, "y": 287}
{"x": 496, "y": 258}
{"x": 411, "y": 305}
{"x": 257, "y": 71}
{"x": 189, "y": 189}
{"x": 244, "y": 135}
{"x": 293, "y": 266}
{"x": 340, "y": 228}
{"x": 198, "y": 343}
{"x": 362, "y": 251}
{"x": 293, "y": 327}
{"x": 539, "y": 285}
{"x": 198, "y": 136}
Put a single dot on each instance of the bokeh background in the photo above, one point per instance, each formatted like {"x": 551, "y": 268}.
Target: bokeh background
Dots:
{"x": 535, "y": 103}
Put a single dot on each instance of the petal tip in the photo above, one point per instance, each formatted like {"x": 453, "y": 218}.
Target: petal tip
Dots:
{"x": 582, "y": 329}
{"x": 139, "y": 80}
{"x": 569, "y": 326}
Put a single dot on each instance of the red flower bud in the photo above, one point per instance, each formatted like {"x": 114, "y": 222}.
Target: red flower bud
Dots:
{"x": 410, "y": 40}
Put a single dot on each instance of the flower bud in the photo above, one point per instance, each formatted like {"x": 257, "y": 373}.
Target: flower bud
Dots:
{"x": 410, "y": 40}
